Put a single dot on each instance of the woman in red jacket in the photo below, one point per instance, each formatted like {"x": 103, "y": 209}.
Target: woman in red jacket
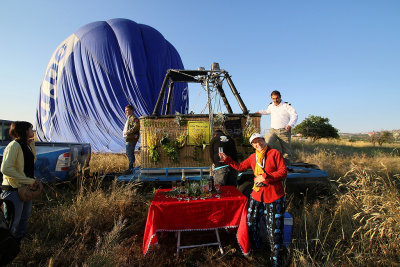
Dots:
{"x": 268, "y": 196}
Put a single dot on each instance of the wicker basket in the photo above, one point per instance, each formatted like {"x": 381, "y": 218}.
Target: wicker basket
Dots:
{"x": 155, "y": 128}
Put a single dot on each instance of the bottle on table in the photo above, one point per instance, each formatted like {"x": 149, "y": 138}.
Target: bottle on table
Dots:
{"x": 183, "y": 181}
{"x": 211, "y": 185}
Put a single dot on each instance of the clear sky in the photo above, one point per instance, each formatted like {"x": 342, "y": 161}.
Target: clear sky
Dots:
{"x": 337, "y": 59}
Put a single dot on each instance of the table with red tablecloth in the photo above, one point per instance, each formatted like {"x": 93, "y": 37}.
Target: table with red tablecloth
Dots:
{"x": 228, "y": 209}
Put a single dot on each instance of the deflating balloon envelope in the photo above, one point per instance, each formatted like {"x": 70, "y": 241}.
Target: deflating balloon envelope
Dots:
{"x": 95, "y": 73}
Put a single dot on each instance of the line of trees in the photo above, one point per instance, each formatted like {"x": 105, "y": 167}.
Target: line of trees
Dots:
{"x": 316, "y": 127}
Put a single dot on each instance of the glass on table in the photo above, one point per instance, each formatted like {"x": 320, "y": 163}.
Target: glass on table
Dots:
{"x": 181, "y": 189}
{"x": 217, "y": 187}
{"x": 196, "y": 189}
{"x": 173, "y": 185}
{"x": 220, "y": 150}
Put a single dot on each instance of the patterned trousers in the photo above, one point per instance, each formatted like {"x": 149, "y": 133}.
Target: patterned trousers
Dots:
{"x": 272, "y": 216}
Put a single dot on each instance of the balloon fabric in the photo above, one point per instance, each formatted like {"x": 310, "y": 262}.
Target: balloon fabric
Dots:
{"x": 95, "y": 73}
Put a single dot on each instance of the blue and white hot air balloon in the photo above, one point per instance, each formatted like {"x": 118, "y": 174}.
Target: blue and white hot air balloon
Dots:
{"x": 95, "y": 73}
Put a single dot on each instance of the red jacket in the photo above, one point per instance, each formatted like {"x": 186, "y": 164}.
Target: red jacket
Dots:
{"x": 275, "y": 172}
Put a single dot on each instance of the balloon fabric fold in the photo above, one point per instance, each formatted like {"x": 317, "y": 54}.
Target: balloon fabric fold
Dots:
{"x": 95, "y": 73}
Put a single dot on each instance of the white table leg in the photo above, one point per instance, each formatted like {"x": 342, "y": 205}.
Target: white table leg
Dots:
{"x": 219, "y": 242}
{"x": 178, "y": 245}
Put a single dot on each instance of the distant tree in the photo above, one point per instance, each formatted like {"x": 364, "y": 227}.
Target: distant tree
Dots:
{"x": 316, "y": 127}
{"x": 396, "y": 135}
{"x": 381, "y": 137}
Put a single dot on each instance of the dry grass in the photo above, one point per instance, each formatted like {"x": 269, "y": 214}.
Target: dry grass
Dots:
{"x": 337, "y": 157}
{"x": 108, "y": 163}
{"x": 358, "y": 223}
{"x": 83, "y": 224}
{"x": 99, "y": 222}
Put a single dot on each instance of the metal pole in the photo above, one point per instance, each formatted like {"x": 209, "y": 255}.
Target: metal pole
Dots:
{"x": 236, "y": 94}
{"x": 170, "y": 94}
{"x": 210, "y": 112}
{"x": 223, "y": 96}
{"x": 161, "y": 94}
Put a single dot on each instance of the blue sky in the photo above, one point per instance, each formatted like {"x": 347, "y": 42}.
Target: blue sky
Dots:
{"x": 337, "y": 59}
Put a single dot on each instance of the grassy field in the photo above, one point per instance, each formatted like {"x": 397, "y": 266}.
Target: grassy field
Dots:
{"x": 96, "y": 221}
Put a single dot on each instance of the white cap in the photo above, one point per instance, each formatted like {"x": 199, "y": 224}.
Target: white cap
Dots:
{"x": 254, "y": 136}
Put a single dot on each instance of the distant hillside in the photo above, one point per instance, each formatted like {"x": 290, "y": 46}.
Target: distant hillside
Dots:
{"x": 354, "y": 136}
{"x": 365, "y": 136}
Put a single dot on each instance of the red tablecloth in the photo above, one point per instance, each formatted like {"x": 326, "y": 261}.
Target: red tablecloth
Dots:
{"x": 169, "y": 214}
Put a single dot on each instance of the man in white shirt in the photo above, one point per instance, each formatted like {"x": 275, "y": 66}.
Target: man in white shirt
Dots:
{"x": 283, "y": 119}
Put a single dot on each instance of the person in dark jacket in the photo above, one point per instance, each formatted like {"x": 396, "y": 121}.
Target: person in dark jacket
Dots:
{"x": 223, "y": 174}
{"x": 268, "y": 196}
{"x": 131, "y": 136}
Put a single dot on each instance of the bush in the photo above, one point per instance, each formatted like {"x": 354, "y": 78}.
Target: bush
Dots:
{"x": 381, "y": 137}
{"x": 316, "y": 127}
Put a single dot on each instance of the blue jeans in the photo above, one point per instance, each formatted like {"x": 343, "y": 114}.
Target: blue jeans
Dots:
{"x": 130, "y": 152}
{"x": 22, "y": 211}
